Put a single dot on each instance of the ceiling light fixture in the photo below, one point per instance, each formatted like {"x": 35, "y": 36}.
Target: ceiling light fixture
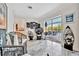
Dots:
{"x": 30, "y": 7}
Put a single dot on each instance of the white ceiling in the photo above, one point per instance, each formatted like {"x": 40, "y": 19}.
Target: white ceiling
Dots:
{"x": 38, "y": 9}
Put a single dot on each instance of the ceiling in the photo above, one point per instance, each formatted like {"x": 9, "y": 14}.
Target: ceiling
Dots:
{"x": 38, "y": 9}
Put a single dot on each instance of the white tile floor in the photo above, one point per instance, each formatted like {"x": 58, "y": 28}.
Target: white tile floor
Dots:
{"x": 42, "y": 47}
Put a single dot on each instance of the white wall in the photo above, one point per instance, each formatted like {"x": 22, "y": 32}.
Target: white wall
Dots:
{"x": 73, "y": 25}
{"x": 63, "y": 10}
{"x": 10, "y": 20}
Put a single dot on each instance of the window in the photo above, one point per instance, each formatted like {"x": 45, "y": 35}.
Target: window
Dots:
{"x": 54, "y": 25}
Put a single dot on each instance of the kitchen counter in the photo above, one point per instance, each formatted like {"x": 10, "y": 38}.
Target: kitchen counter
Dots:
{"x": 44, "y": 47}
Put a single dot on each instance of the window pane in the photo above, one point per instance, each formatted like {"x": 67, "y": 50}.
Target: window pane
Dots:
{"x": 54, "y": 25}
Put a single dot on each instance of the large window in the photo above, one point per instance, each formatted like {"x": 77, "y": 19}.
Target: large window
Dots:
{"x": 54, "y": 25}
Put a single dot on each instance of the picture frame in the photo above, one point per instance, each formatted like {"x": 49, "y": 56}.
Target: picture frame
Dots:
{"x": 70, "y": 18}
{"x": 3, "y": 16}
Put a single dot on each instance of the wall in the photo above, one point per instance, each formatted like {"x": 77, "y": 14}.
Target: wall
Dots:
{"x": 10, "y": 20}
{"x": 63, "y": 10}
{"x": 21, "y": 25}
{"x": 73, "y": 25}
